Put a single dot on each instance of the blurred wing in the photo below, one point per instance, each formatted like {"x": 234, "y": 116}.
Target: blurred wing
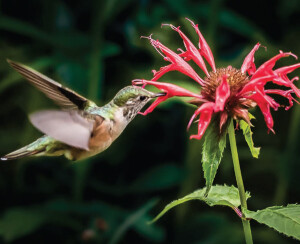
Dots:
{"x": 68, "y": 127}
{"x": 63, "y": 96}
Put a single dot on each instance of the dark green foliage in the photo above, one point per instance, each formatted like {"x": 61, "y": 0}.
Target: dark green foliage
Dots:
{"x": 94, "y": 47}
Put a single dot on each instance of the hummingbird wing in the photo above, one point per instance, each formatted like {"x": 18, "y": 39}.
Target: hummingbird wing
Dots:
{"x": 68, "y": 127}
{"x": 63, "y": 96}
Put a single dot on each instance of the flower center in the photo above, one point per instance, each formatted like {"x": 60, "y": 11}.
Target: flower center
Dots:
{"x": 235, "y": 78}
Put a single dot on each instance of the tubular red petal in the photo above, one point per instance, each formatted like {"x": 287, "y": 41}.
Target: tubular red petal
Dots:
{"x": 177, "y": 63}
{"x": 248, "y": 64}
{"x": 265, "y": 109}
{"x": 222, "y": 94}
{"x": 282, "y": 78}
{"x": 204, "y": 49}
{"x": 266, "y": 68}
{"x": 205, "y": 111}
{"x": 285, "y": 93}
{"x": 191, "y": 120}
{"x": 204, "y": 106}
{"x": 162, "y": 71}
{"x": 268, "y": 99}
{"x": 285, "y": 81}
{"x": 287, "y": 69}
{"x": 257, "y": 82}
{"x": 192, "y": 52}
{"x": 170, "y": 89}
{"x": 295, "y": 89}
{"x": 154, "y": 105}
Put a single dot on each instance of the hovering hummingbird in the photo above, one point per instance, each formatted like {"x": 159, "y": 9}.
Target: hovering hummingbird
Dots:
{"x": 82, "y": 129}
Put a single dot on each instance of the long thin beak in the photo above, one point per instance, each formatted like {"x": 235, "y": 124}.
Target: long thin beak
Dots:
{"x": 160, "y": 94}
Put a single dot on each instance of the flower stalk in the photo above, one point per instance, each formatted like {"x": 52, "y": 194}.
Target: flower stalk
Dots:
{"x": 239, "y": 180}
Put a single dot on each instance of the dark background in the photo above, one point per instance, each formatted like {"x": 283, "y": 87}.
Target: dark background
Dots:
{"x": 94, "y": 47}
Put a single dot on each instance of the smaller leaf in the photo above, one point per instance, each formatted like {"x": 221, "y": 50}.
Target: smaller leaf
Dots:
{"x": 285, "y": 220}
{"x": 213, "y": 147}
{"x": 218, "y": 195}
{"x": 248, "y": 136}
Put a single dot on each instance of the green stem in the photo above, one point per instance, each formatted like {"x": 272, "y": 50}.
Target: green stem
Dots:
{"x": 239, "y": 181}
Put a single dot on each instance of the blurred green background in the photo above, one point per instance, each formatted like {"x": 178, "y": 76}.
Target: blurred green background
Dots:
{"x": 94, "y": 47}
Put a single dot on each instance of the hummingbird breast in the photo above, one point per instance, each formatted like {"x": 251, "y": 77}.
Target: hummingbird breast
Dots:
{"x": 104, "y": 133}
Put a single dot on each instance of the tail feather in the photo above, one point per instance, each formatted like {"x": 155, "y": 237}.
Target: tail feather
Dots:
{"x": 44, "y": 145}
{"x": 20, "y": 153}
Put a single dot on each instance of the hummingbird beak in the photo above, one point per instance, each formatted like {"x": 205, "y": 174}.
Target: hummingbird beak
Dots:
{"x": 160, "y": 94}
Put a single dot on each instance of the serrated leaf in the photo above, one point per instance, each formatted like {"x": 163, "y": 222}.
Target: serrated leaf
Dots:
{"x": 248, "y": 137}
{"x": 218, "y": 195}
{"x": 213, "y": 147}
{"x": 285, "y": 220}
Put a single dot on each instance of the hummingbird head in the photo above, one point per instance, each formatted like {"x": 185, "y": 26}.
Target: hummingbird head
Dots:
{"x": 132, "y": 99}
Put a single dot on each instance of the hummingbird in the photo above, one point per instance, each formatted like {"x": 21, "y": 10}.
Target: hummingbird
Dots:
{"x": 81, "y": 129}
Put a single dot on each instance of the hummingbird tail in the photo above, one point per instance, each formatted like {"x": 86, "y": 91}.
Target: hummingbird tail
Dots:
{"x": 20, "y": 153}
{"x": 44, "y": 145}
{"x": 36, "y": 147}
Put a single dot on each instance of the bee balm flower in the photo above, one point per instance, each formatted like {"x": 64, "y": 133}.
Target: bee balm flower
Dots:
{"x": 225, "y": 92}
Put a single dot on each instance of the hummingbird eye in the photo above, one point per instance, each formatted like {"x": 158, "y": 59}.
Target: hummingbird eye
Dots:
{"x": 142, "y": 98}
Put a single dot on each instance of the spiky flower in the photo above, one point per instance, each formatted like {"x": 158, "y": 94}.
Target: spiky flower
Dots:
{"x": 225, "y": 92}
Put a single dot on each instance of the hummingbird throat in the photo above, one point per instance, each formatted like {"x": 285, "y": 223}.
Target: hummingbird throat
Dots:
{"x": 129, "y": 112}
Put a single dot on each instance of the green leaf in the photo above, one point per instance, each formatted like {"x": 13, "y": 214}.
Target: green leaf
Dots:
{"x": 16, "y": 223}
{"x": 213, "y": 147}
{"x": 285, "y": 220}
{"x": 248, "y": 137}
{"x": 218, "y": 195}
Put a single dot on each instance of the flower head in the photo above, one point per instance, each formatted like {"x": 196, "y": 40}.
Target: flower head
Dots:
{"x": 225, "y": 92}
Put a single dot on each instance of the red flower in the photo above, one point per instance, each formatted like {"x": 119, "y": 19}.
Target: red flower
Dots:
{"x": 225, "y": 92}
